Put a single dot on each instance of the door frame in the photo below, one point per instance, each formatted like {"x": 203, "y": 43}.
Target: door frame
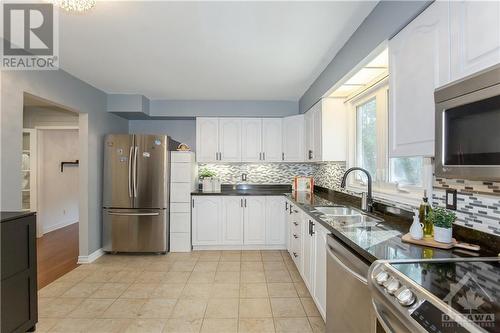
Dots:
{"x": 39, "y": 132}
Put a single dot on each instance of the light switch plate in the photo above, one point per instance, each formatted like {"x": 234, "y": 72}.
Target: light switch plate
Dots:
{"x": 451, "y": 199}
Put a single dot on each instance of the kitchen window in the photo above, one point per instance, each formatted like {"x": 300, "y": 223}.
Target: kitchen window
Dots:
{"x": 368, "y": 143}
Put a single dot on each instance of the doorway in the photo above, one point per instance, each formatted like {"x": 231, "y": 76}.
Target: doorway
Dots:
{"x": 53, "y": 190}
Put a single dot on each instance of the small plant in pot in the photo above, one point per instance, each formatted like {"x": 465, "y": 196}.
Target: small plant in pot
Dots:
{"x": 443, "y": 222}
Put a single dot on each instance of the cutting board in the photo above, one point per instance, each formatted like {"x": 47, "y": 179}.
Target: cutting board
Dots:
{"x": 430, "y": 242}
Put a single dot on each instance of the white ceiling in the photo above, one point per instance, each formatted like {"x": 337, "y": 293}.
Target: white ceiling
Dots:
{"x": 207, "y": 50}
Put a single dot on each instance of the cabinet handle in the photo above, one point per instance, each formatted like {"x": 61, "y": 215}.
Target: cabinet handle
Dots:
{"x": 245, "y": 202}
{"x": 295, "y": 236}
{"x": 290, "y": 209}
{"x": 286, "y": 205}
{"x": 295, "y": 254}
{"x": 192, "y": 202}
{"x": 311, "y": 225}
{"x": 220, "y": 156}
{"x": 295, "y": 211}
{"x": 295, "y": 224}
{"x": 263, "y": 156}
{"x": 282, "y": 156}
{"x": 241, "y": 202}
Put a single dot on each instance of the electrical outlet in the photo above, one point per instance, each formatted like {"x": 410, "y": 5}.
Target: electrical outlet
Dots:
{"x": 451, "y": 199}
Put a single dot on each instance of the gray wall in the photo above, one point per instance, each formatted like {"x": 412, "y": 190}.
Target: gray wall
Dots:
{"x": 179, "y": 130}
{"x": 385, "y": 21}
{"x": 63, "y": 89}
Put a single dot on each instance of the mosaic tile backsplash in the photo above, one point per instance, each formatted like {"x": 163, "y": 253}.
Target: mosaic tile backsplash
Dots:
{"x": 478, "y": 203}
{"x": 325, "y": 174}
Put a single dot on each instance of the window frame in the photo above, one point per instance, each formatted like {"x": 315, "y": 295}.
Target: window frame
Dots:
{"x": 383, "y": 189}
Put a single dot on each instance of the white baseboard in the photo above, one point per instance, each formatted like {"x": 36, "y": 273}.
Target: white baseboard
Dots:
{"x": 91, "y": 257}
{"x": 238, "y": 247}
{"x": 57, "y": 226}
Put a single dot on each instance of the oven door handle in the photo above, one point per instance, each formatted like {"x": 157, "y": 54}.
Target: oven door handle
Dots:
{"x": 345, "y": 267}
{"x": 385, "y": 325}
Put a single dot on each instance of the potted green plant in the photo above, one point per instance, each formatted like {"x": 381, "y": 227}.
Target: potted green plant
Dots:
{"x": 206, "y": 177}
{"x": 205, "y": 173}
{"x": 442, "y": 219}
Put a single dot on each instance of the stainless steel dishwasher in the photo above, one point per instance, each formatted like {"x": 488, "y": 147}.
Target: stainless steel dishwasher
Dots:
{"x": 349, "y": 303}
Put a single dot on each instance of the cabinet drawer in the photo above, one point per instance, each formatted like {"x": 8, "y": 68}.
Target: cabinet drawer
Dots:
{"x": 180, "y": 207}
{"x": 180, "y": 222}
{"x": 180, "y": 242}
{"x": 180, "y": 192}
{"x": 181, "y": 173}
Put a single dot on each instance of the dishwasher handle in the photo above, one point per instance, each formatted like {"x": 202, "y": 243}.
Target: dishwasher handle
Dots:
{"x": 358, "y": 276}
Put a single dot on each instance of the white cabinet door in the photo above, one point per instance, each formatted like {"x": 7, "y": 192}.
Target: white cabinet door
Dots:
{"x": 475, "y": 36}
{"x": 230, "y": 139}
{"x": 309, "y": 134}
{"x": 251, "y": 140}
{"x": 293, "y": 138}
{"x": 308, "y": 252}
{"x": 206, "y": 220}
{"x": 275, "y": 220}
{"x": 419, "y": 63}
{"x": 254, "y": 220}
{"x": 289, "y": 227}
{"x": 319, "y": 291}
{"x": 317, "y": 133}
{"x": 232, "y": 220}
{"x": 272, "y": 145}
{"x": 207, "y": 139}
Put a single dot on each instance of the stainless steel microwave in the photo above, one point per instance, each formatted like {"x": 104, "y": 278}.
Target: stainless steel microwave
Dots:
{"x": 468, "y": 127}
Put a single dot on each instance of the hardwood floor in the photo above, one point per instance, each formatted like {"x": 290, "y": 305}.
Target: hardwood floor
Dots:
{"x": 57, "y": 254}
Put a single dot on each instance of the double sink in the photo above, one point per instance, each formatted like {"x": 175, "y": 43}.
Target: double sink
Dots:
{"x": 346, "y": 216}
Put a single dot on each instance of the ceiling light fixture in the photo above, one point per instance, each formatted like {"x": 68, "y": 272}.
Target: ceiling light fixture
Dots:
{"x": 78, "y": 6}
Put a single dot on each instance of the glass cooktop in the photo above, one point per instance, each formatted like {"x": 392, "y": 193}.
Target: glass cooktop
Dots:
{"x": 472, "y": 288}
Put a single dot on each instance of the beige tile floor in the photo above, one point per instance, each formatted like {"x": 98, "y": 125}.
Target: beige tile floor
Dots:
{"x": 204, "y": 291}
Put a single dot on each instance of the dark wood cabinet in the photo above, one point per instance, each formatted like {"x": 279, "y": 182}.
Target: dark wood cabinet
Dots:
{"x": 19, "y": 303}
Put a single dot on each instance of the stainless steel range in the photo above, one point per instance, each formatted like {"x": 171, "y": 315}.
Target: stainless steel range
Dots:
{"x": 448, "y": 295}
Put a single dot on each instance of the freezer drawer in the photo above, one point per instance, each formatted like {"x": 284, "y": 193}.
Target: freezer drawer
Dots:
{"x": 135, "y": 230}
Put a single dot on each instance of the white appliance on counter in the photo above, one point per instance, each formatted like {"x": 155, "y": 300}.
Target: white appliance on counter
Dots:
{"x": 184, "y": 177}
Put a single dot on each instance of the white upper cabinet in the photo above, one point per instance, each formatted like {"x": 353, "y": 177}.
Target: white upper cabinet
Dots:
{"x": 275, "y": 220}
{"x": 293, "y": 139}
{"x": 230, "y": 139}
{"x": 255, "y": 220}
{"x": 272, "y": 146}
{"x": 207, "y": 139}
{"x": 326, "y": 131}
{"x": 418, "y": 63}
{"x": 232, "y": 220}
{"x": 475, "y": 36}
{"x": 251, "y": 139}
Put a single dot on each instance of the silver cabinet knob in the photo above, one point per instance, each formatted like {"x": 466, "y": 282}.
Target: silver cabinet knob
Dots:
{"x": 392, "y": 285}
{"x": 295, "y": 236}
{"x": 382, "y": 277}
{"x": 406, "y": 297}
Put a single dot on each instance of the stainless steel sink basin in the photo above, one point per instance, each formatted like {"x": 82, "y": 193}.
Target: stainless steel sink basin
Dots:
{"x": 337, "y": 211}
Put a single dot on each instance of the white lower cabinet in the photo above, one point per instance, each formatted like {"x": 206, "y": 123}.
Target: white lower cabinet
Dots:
{"x": 222, "y": 222}
{"x": 206, "y": 220}
{"x": 308, "y": 252}
{"x": 232, "y": 220}
{"x": 319, "y": 289}
{"x": 255, "y": 220}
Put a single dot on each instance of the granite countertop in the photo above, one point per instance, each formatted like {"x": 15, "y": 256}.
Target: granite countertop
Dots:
{"x": 8, "y": 216}
{"x": 381, "y": 240}
{"x": 249, "y": 189}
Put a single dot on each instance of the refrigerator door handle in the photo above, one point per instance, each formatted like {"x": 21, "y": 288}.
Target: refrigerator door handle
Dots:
{"x": 134, "y": 173}
{"x": 129, "y": 172}
{"x": 132, "y": 214}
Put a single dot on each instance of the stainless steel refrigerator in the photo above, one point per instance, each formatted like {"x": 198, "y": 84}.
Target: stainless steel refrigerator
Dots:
{"x": 136, "y": 193}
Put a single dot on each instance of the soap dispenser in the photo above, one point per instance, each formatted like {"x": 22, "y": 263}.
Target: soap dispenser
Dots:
{"x": 417, "y": 228}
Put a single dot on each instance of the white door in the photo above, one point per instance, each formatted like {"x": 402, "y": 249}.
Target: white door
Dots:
{"x": 275, "y": 220}
{"x": 272, "y": 143}
{"x": 206, "y": 218}
{"x": 293, "y": 138}
{"x": 308, "y": 247}
{"x": 475, "y": 36}
{"x": 230, "y": 139}
{"x": 251, "y": 140}
{"x": 254, "y": 220}
{"x": 232, "y": 220}
{"x": 419, "y": 63}
{"x": 318, "y": 132}
{"x": 309, "y": 134}
{"x": 207, "y": 139}
{"x": 319, "y": 293}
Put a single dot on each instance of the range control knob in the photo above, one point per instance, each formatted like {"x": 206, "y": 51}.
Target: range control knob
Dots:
{"x": 406, "y": 297}
{"x": 382, "y": 277}
{"x": 392, "y": 285}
